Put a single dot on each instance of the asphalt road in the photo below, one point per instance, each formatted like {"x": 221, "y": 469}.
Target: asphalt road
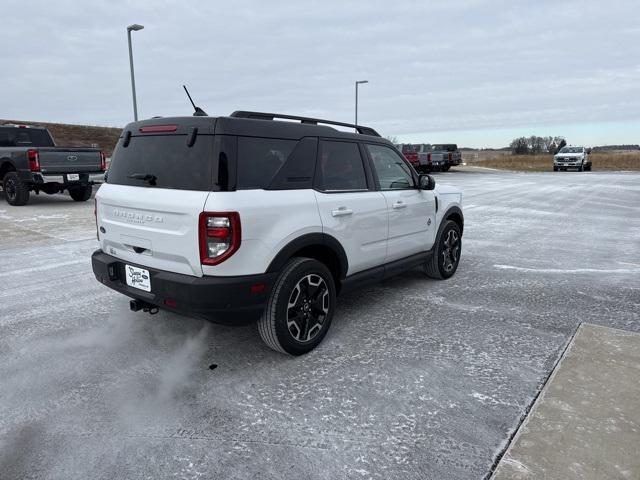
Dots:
{"x": 417, "y": 379}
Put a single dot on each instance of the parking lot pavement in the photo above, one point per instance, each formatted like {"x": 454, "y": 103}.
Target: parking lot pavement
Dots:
{"x": 584, "y": 425}
{"x": 415, "y": 379}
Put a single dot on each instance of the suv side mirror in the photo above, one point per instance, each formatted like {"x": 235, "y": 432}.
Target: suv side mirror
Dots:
{"x": 426, "y": 182}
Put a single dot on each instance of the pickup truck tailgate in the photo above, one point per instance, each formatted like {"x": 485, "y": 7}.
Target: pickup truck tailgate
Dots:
{"x": 69, "y": 160}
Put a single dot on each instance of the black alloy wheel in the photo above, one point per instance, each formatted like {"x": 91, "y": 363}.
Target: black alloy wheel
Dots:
{"x": 308, "y": 308}
{"x": 300, "y": 307}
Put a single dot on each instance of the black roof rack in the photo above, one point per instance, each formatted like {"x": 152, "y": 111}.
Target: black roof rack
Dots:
{"x": 313, "y": 121}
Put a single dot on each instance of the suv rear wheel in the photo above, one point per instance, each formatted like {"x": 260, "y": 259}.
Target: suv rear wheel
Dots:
{"x": 81, "y": 194}
{"x": 15, "y": 191}
{"x": 300, "y": 308}
{"x": 444, "y": 262}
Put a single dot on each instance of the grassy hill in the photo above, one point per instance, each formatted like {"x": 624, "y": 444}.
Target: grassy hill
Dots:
{"x": 66, "y": 135}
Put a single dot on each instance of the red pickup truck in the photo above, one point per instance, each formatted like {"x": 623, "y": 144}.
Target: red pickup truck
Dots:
{"x": 410, "y": 152}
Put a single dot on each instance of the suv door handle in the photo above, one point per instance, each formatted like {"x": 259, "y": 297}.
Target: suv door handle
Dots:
{"x": 341, "y": 212}
{"x": 399, "y": 204}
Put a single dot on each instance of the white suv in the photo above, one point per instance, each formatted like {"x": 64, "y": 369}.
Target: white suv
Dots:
{"x": 250, "y": 218}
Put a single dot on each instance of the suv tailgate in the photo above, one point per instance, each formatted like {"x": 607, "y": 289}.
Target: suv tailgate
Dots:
{"x": 152, "y": 227}
{"x": 156, "y": 188}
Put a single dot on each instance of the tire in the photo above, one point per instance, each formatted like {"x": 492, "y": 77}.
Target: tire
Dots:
{"x": 446, "y": 169}
{"x": 81, "y": 194}
{"x": 15, "y": 191}
{"x": 588, "y": 168}
{"x": 581, "y": 168}
{"x": 555, "y": 169}
{"x": 444, "y": 262}
{"x": 293, "y": 323}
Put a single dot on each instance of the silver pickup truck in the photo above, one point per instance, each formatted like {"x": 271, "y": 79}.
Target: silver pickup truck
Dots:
{"x": 439, "y": 157}
{"x": 31, "y": 162}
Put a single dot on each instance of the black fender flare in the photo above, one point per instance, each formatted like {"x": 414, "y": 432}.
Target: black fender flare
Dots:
{"x": 310, "y": 240}
{"x": 453, "y": 211}
{"x": 4, "y": 162}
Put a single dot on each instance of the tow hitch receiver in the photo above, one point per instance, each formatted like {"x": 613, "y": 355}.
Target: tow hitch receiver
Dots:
{"x": 137, "y": 305}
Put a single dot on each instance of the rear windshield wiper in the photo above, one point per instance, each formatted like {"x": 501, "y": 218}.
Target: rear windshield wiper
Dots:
{"x": 145, "y": 177}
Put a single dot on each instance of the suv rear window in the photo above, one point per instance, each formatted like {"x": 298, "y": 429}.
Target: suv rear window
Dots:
{"x": 167, "y": 158}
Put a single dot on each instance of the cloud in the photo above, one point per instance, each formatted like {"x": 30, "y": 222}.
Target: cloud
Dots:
{"x": 432, "y": 66}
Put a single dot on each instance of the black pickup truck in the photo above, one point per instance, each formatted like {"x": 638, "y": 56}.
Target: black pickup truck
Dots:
{"x": 31, "y": 162}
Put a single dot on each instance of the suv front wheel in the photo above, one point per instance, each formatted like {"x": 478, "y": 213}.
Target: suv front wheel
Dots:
{"x": 444, "y": 262}
{"x": 300, "y": 307}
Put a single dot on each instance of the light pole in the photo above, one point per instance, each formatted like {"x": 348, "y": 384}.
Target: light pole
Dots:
{"x": 135, "y": 27}
{"x": 358, "y": 83}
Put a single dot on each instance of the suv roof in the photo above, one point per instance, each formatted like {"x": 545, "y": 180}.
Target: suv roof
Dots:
{"x": 264, "y": 124}
{"x": 305, "y": 120}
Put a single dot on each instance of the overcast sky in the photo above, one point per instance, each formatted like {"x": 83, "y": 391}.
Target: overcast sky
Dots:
{"x": 470, "y": 71}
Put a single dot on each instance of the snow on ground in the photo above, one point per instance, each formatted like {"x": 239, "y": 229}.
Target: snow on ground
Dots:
{"x": 416, "y": 379}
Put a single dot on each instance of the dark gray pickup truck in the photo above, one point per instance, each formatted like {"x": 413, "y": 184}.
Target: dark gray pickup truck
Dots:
{"x": 31, "y": 162}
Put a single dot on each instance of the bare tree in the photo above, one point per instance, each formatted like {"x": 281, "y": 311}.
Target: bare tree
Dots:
{"x": 561, "y": 144}
{"x": 519, "y": 146}
{"x": 535, "y": 145}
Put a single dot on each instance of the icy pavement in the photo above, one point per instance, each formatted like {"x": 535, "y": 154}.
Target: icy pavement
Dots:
{"x": 416, "y": 378}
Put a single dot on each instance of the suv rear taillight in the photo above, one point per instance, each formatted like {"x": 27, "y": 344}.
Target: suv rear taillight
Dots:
{"x": 220, "y": 236}
{"x": 34, "y": 160}
{"x": 103, "y": 162}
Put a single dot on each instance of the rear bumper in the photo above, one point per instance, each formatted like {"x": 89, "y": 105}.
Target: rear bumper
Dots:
{"x": 227, "y": 300}
{"x": 84, "y": 178}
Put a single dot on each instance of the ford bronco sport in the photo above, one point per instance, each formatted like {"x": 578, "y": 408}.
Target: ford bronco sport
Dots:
{"x": 251, "y": 218}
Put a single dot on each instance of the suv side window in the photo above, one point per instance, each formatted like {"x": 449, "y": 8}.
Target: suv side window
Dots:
{"x": 392, "y": 171}
{"x": 259, "y": 159}
{"x": 340, "y": 167}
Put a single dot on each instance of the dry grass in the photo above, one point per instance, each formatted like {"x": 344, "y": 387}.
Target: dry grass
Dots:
{"x": 542, "y": 163}
{"x": 472, "y": 156}
{"x": 79, "y": 135}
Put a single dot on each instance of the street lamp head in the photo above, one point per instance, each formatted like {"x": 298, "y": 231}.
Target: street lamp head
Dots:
{"x": 135, "y": 27}
{"x": 362, "y": 81}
